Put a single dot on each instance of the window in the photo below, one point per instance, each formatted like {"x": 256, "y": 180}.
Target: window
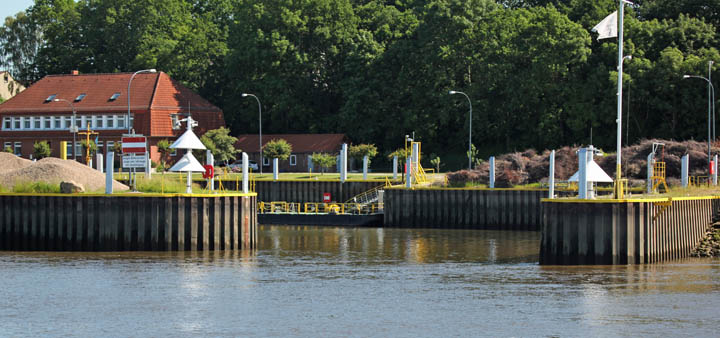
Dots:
{"x": 266, "y": 161}
{"x": 68, "y": 149}
{"x": 293, "y": 160}
{"x": 68, "y": 121}
{"x": 50, "y": 98}
{"x": 110, "y": 121}
{"x": 7, "y": 123}
{"x": 26, "y": 123}
{"x": 48, "y": 122}
{"x": 100, "y": 147}
{"x": 110, "y": 145}
{"x": 18, "y": 148}
{"x": 99, "y": 121}
{"x": 36, "y": 122}
{"x": 80, "y": 97}
{"x": 57, "y": 122}
{"x": 7, "y": 145}
{"x": 114, "y": 96}
{"x": 17, "y": 121}
{"x": 78, "y": 148}
{"x": 79, "y": 121}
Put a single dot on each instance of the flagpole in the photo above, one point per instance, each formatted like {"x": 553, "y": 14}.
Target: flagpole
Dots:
{"x": 619, "y": 193}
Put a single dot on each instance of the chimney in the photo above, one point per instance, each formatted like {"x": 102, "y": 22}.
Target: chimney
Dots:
{"x": 75, "y": 72}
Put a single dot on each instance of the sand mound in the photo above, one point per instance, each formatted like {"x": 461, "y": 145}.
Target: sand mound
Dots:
{"x": 54, "y": 170}
{"x": 11, "y": 162}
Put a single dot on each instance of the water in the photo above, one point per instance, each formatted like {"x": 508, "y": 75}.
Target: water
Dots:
{"x": 307, "y": 281}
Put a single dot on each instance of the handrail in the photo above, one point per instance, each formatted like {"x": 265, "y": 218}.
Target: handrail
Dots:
{"x": 319, "y": 208}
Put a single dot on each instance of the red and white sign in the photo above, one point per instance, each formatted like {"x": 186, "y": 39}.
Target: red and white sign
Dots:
{"x": 134, "y": 144}
{"x": 326, "y": 197}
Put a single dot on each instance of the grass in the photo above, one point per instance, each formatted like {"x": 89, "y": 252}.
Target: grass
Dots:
{"x": 159, "y": 184}
{"x": 36, "y": 187}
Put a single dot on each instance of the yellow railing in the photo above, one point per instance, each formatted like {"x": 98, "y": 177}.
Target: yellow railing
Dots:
{"x": 369, "y": 195}
{"x": 319, "y": 208}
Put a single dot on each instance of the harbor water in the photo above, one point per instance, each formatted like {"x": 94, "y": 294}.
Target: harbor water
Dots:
{"x": 333, "y": 281}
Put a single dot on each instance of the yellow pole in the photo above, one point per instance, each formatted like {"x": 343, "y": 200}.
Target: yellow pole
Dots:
{"x": 63, "y": 150}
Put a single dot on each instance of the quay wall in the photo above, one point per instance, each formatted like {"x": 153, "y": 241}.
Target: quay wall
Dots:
{"x": 503, "y": 209}
{"x": 623, "y": 232}
{"x": 125, "y": 222}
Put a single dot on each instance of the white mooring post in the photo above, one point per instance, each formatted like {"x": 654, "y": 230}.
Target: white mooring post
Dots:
{"x": 684, "y": 170}
{"x": 551, "y": 176}
{"x": 109, "y": 172}
{"x": 310, "y": 164}
{"x": 415, "y": 157}
{"x": 650, "y": 165}
{"x": 148, "y": 166}
{"x": 582, "y": 174}
{"x": 408, "y": 173}
{"x": 245, "y": 172}
{"x": 276, "y": 169}
{"x": 365, "y": 167}
{"x": 395, "y": 164}
{"x": 492, "y": 172}
{"x": 210, "y": 159}
{"x": 343, "y": 163}
{"x": 100, "y": 163}
{"x": 714, "y": 176}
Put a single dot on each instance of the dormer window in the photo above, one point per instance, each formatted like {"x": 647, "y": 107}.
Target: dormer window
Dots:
{"x": 50, "y": 98}
{"x": 114, "y": 96}
{"x": 80, "y": 97}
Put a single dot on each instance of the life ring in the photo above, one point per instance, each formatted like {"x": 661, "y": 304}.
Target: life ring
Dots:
{"x": 209, "y": 171}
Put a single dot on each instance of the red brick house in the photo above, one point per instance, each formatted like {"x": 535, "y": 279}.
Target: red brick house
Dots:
{"x": 101, "y": 101}
{"x": 303, "y": 145}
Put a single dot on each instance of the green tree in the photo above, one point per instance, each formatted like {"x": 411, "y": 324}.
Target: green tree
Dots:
{"x": 8, "y": 149}
{"x": 91, "y": 145}
{"x": 41, "y": 150}
{"x": 359, "y": 151}
{"x": 436, "y": 163}
{"x": 277, "y": 148}
{"x": 163, "y": 147}
{"x": 324, "y": 161}
{"x": 223, "y": 145}
{"x": 401, "y": 154}
{"x": 20, "y": 40}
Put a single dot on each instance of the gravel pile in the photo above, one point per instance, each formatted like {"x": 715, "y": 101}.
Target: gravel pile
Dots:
{"x": 10, "y": 162}
{"x": 53, "y": 170}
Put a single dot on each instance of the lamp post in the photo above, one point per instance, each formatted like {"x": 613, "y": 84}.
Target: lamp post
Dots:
{"x": 73, "y": 127}
{"x": 470, "y": 128}
{"x": 259, "y": 126}
{"x": 128, "y": 93}
{"x": 711, "y": 107}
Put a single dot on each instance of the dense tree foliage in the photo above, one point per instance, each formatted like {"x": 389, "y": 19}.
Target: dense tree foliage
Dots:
{"x": 378, "y": 70}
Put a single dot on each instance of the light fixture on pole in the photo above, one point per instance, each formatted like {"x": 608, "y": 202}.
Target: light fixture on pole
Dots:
{"x": 128, "y": 93}
{"x": 711, "y": 108}
{"x": 452, "y": 92}
{"x": 259, "y": 126}
{"x": 73, "y": 127}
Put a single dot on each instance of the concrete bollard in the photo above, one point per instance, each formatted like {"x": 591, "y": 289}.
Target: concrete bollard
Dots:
{"x": 109, "y": 173}
{"x": 310, "y": 164}
{"x": 99, "y": 162}
{"x": 582, "y": 173}
{"x": 148, "y": 166}
{"x": 276, "y": 169}
{"x": 245, "y": 173}
{"x": 210, "y": 160}
{"x": 684, "y": 170}
{"x": 492, "y": 172}
{"x": 365, "y": 167}
{"x": 395, "y": 164}
{"x": 650, "y": 165}
{"x": 714, "y": 176}
{"x": 343, "y": 162}
{"x": 408, "y": 173}
{"x": 551, "y": 176}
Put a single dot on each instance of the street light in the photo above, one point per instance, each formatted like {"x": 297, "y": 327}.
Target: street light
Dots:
{"x": 470, "y": 136}
{"x": 73, "y": 128}
{"x": 260, "y": 126}
{"x": 128, "y": 92}
{"x": 711, "y": 106}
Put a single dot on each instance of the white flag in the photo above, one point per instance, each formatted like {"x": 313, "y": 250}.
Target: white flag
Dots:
{"x": 608, "y": 27}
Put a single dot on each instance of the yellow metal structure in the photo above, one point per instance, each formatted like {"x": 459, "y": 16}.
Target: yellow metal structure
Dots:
{"x": 87, "y": 134}
{"x": 620, "y": 188}
{"x": 370, "y": 195}
{"x": 319, "y": 208}
{"x": 658, "y": 176}
{"x": 664, "y": 205}
{"x": 63, "y": 150}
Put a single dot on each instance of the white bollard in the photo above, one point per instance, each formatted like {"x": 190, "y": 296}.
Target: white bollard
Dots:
{"x": 109, "y": 173}
{"x": 551, "y": 176}
{"x": 210, "y": 159}
{"x": 492, "y": 172}
{"x": 408, "y": 175}
{"x": 650, "y": 165}
{"x": 343, "y": 162}
{"x": 395, "y": 164}
{"x": 276, "y": 169}
{"x": 310, "y": 164}
{"x": 415, "y": 157}
{"x": 715, "y": 163}
{"x": 245, "y": 171}
{"x": 582, "y": 174}
{"x": 685, "y": 170}
{"x": 99, "y": 162}
{"x": 148, "y": 166}
{"x": 365, "y": 167}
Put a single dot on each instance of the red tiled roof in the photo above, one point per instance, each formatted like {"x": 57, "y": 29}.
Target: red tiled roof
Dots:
{"x": 301, "y": 143}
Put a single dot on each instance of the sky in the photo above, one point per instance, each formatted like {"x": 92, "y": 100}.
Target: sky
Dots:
{"x": 11, "y": 7}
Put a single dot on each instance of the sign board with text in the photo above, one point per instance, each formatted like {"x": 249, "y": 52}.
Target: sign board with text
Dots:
{"x": 134, "y": 161}
{"x": 135, "y": 144}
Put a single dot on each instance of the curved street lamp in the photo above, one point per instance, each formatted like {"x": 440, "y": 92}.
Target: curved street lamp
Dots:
{"x": 128, "y": 93}
{"x": 452, "y": 92}
{"x": 711, "y": 107}
{"x": 73, "y": 127}
{"x": 259, "y": 126}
